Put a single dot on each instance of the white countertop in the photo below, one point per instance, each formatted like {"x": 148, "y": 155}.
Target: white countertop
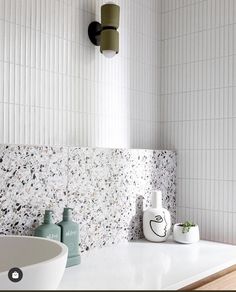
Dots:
{"x": 148, "y": 266}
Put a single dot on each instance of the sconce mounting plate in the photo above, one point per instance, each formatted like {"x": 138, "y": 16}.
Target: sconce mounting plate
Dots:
{"x": 94, "y": 32}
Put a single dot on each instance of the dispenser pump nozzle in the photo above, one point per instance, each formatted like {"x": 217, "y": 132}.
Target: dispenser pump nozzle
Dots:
{"x": 48, "y": 216}
{"x": 67, "y": 214}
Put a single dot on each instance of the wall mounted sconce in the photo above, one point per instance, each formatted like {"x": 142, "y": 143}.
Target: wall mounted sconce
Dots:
{"x": 105, "y": 34}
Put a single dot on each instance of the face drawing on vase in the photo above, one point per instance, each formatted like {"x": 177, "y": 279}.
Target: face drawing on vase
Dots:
{"x": 159, "y": 225}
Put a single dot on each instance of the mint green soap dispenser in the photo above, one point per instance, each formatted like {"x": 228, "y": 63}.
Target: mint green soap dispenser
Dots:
{"x": 48, "y": 229}
{"x": 70, "y": 237}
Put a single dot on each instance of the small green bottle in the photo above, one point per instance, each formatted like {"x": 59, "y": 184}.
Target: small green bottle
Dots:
{"x": 70, "y": 237}
{"x": 48, "y": 229}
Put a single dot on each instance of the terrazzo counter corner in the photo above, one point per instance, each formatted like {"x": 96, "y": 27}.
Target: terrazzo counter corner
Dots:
{"x": 142, "y": 265}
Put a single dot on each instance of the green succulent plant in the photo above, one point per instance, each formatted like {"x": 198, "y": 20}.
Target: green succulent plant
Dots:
{"x": 186, "y": 226}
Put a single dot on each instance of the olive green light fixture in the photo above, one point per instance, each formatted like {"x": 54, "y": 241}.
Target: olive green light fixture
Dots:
{"x": 105, "y": 34}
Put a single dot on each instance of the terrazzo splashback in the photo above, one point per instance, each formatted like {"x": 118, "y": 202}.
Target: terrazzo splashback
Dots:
{"x": 108, "y": 189}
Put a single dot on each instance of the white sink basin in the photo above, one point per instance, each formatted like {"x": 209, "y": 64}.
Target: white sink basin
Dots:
{"x": 41, "y": 261}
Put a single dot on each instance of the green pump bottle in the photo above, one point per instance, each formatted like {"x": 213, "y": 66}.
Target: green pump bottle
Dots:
{"x": 48, "y": 229}
{"x": 70, "y": 237}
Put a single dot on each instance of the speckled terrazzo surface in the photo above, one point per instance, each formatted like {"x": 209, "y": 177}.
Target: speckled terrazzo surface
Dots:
{"x": 108, "y": 189}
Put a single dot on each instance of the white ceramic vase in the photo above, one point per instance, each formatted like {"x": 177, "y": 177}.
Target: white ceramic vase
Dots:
{"x": 156, "y": 220}
{"x": 190, "y": 236}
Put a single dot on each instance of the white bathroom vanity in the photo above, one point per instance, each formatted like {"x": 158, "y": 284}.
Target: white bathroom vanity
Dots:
{"x": 143, "y": 265}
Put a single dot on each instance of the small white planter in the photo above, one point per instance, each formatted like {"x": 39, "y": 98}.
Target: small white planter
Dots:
{"x": 191, "y": 236}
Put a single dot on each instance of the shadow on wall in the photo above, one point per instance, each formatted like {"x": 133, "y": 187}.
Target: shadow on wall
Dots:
{"x": 84, "y": 59}
{"x": 145, "y": 79}
{"x": 136, "y": 224}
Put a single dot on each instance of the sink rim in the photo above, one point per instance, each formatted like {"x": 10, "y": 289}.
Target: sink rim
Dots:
{"x": 62, "y": 253}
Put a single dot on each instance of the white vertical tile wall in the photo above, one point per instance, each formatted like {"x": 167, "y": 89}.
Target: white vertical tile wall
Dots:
{"x": 173, "y": 81}
{"x": 198, "y": 88}
{"x": 55, "y": 86}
